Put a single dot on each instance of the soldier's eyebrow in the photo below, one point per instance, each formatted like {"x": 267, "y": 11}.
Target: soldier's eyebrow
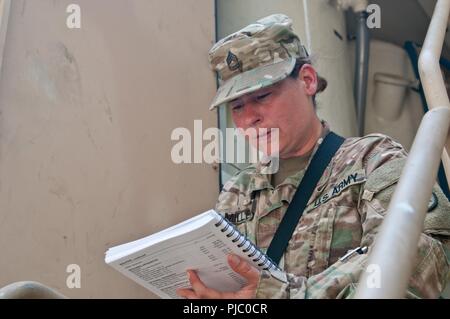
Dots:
{"x": 266, "y": 89}
{"x": 259, "y": 92}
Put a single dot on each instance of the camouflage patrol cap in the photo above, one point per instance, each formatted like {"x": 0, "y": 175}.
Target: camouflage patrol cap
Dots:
{"x": 254, "y": 57}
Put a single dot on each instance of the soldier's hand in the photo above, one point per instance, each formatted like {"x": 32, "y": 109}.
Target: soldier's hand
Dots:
{"x": 240, "y": 266}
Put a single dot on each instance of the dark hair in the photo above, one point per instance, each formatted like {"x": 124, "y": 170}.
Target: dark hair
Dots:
{"x": 322, "y": 83}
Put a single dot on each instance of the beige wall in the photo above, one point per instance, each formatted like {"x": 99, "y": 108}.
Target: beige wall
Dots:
{"x": 388, "y": 58}
{"x": 85, "y": 124}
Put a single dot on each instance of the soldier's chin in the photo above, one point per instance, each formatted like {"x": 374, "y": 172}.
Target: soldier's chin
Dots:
{"x": 266, "y": 148}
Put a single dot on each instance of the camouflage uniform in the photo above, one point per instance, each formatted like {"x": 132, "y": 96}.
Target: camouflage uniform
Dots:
{"x": 349, "y": 202}
{"x": 344, "y": 212}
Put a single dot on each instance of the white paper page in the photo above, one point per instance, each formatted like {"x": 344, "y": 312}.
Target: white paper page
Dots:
{"x": 173, "y": 231}
{"x": 162, "y": 268}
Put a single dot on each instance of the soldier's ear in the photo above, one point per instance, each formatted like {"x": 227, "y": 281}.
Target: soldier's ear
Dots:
{"x": 308, "y": 76}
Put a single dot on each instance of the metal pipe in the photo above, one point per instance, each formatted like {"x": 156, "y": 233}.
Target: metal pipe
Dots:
{"x": 361, "y": 69}
{"x": 395, "y": 248}
{"x": 5, "y": 9}
{"x": 430, "y": 71}
{"x": 29, "y": 290}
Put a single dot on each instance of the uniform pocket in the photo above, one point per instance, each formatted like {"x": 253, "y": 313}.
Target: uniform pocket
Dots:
{"x": 268, "y": 223}
{"x": 347, "y": 232}
{"x": 319, "y": 255}
{"x": 242, "y": 228}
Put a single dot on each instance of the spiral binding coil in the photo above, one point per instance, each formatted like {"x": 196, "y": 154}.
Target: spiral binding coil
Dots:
{"x": 248, "y": 248}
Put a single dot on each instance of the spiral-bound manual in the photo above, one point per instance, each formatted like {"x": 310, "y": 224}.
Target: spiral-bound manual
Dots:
{"x": 159, "y": 262}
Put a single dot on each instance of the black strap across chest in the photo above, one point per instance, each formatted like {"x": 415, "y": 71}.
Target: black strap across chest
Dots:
{"x": 329, "y": 146}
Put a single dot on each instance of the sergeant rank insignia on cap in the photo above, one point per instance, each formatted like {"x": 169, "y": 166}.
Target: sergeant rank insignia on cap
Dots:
{"x": 233, "y": 61}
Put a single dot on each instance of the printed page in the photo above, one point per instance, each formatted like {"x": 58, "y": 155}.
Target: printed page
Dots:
{"x": 173, "y": 231}
{"x": 162, "y": 268}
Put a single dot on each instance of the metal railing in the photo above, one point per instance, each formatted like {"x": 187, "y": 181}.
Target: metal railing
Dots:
{"x": 430, "y": 71}
{"x": 396, "y": 245}
{"x": 5, "y": 8}
{"x": 29, "y": 290}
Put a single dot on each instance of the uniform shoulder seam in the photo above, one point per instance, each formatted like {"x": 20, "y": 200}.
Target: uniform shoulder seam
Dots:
{"x": 372, "y": 136}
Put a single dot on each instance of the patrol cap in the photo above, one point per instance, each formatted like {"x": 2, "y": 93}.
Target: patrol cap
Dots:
{"x": 254, "y": 57}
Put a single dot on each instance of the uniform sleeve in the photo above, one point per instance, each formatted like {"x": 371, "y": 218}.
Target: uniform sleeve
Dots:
{"x": 228, "y": 197}
{"x": 340, "y": 279}
{"x": 234, "y": 190}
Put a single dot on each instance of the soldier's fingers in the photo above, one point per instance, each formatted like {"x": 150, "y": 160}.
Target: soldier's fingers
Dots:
{"x": 187, "y": 293}
{"x": 200, "y": 288}
{"x": 244, "y": 269}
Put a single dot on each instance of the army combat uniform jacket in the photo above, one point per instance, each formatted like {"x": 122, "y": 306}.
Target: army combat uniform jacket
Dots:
{"x": 344, "y": 212}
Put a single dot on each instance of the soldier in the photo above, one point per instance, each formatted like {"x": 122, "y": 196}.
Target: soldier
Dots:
{"x": 267, "y": 81}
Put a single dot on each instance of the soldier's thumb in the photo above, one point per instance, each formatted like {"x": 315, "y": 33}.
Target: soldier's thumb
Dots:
{"x": 243, "y": 268}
